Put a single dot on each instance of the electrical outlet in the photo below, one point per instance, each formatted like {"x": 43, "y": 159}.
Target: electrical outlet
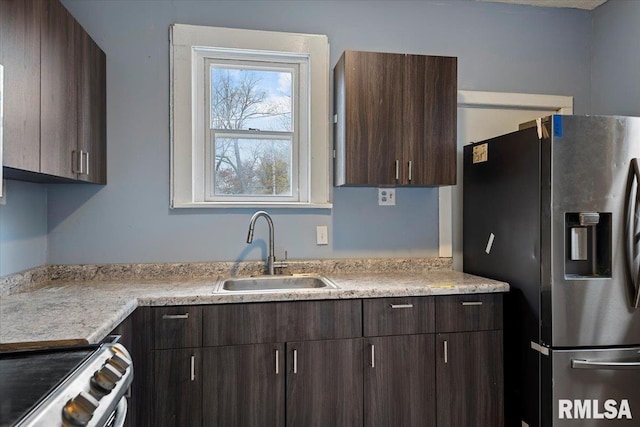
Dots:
{"x": 386, "y": 196}
{"x": 322, "y": 235}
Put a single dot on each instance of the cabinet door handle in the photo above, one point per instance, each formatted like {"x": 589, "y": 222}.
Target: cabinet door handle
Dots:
{"x": 471, "y": 303}
{"x": 295, "y": 361}
{"x": 373, "y": 356}
{"x": 401, "y": 305}
{"x": 277, "y": 365}
{"x": 410, "y": 171}
{"x": 175, "y": 316}
{"x": 446, "y": 352}
{"x": 397, "y": 170}
{"x": 86, "y": 169}
{"x": 193, "y": 367}
{"x": 76, "y": 162}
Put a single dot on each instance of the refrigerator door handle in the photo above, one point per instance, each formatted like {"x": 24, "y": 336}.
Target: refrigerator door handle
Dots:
{"x": 615, "y": 366}
{"x": 631, "y": 225}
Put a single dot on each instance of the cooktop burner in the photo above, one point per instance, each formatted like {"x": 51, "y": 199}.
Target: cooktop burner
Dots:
{"x": 27, "y": 377}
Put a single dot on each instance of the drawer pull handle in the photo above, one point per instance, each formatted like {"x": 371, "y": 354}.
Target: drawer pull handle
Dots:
{"x": 401, "y": 305}
{"x": 295, "y": 361}
{"x": 175, "y": 316}
{"x": 472, "y": 303}
{"x": 277, "y": 366}
{"x": 446, "y": 352}
{"x": 193, "y": 368}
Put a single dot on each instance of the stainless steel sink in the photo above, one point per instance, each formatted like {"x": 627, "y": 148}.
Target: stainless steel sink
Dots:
{"x": 273, "y": 283}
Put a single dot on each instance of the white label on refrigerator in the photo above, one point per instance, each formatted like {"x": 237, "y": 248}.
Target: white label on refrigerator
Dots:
{"x": 480, "y": 153}
{"x": 539, "y": 127}
{"x": 490, "y": 243}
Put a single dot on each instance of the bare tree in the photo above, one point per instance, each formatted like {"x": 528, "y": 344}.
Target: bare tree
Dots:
{"x": 235, "y": 102}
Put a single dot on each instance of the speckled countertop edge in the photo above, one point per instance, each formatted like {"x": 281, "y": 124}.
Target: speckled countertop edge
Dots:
{"x": 76, "y": 312}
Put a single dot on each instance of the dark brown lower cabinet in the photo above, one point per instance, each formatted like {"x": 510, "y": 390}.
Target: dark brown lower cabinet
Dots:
{"x": 178, "y": 387}
{"x": 399, "y": 381}
{"x": 243, "y": 385}
{"x": 469, "y": 379}
{"x": 324, "y": 383}
{"x": 313, "y": 367}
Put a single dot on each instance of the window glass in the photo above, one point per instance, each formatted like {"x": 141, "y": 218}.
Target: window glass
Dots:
{"x": 252, "y": 166}
{"x": 250, "y": 99}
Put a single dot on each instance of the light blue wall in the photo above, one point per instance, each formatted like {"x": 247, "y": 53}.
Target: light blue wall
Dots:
{"x": 615, "y": 66}
{"x": 500, "y": 48}
{"x": 23, "y": 227}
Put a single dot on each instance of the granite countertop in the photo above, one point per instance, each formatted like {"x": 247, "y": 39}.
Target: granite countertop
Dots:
{"x": 81, "y": 312}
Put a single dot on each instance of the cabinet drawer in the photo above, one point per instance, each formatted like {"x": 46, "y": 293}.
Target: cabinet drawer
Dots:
{"x": 398, "y": 316}
{"x": 477, "y": 312}
{"x": 177, "y": 327}
{"x": 231, "y": 324}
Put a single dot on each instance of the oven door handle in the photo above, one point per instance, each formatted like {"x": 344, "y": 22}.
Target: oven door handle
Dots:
{"x": 121, "y": 413}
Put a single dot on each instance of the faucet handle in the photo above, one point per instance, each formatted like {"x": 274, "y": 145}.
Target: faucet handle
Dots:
{"x": 281, "y": 264}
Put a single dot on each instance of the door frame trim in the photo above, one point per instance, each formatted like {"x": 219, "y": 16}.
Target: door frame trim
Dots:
{"x": 484, "y": 99}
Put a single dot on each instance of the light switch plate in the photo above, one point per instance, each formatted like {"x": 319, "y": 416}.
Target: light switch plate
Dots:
{"x": 322, "y": 235}
{"x": 386, "y": 196}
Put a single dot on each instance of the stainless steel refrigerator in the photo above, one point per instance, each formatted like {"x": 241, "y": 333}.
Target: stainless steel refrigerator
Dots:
{"x": 554, "y": 209}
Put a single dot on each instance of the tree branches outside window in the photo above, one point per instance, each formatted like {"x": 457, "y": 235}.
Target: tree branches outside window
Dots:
{"x": 251, "y": 164}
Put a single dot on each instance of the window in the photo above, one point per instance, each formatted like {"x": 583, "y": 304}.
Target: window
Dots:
{"x": 249, "y": 118}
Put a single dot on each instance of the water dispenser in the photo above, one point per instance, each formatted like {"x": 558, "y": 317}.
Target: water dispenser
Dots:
{"x": 588, "y": 245}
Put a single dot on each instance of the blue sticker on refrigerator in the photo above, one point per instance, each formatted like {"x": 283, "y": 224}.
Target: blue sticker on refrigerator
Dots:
{"x": 557, "y": 125}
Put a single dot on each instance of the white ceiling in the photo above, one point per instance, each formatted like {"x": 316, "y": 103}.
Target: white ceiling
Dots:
{"x": 577, "y": 4}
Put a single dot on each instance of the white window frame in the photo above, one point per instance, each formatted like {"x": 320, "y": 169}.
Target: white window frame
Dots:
{"x": 189, "y": 46}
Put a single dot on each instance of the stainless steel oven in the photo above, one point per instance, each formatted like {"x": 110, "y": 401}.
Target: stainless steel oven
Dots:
{"x": 72, "y": 386}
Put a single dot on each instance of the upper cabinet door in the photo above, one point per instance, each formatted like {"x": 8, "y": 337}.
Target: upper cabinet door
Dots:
{"x": 58, "y": 100}
{"x": 92, "y": 100}
{"x": 20, "y": 55}
{"x": 430, "y": 112}
{"x": 395, "y": 119}
{"x": 369, "y": 109}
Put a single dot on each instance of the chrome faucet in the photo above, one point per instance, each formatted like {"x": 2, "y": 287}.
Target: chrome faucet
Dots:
{"x": 271, "y": 259}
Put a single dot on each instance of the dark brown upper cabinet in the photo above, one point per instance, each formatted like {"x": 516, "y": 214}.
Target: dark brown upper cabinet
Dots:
{"x": 20, "y": 54}
{"x": 59, "y": 94}
{"x": 395, "y": 119}
{"x": 55, "y": 87}
{"x": 92, "y": 107}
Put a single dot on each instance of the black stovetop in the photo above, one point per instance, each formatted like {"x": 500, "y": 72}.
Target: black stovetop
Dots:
{"x": 27, "y": 377}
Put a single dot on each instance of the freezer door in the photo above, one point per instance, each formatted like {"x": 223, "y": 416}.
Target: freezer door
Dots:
{"x": 588, "y": 186}
{"x": 592, "y": 388}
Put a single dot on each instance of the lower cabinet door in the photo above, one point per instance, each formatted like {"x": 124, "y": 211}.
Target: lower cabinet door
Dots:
{"x": 243, "y": 385}
{"x": 324, "y": 383}
{"x": 399, "y": 381}
{"x": 469, "y": 379}
{"x": 177, "y": 391}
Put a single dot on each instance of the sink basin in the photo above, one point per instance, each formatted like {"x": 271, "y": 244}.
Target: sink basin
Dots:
{"x": 274, "y": 283}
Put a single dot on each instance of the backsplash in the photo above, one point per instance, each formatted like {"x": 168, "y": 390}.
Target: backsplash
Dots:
{"x": 28, "y": 279}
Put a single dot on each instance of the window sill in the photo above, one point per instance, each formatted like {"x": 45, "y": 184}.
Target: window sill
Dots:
{"x": 251, "y": 205}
